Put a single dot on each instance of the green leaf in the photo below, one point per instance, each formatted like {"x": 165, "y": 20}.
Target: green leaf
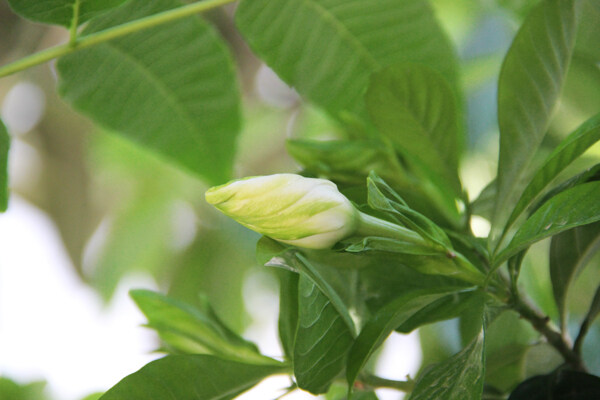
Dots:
{"x": 193, "y": 330}
{"x": 594, "y": 310}
{"x": 415, "y": 109}
{"x": 383, "y": 198}
{"x": 322, "y": 340}
{"x": 447, "y": 307}
{"x": 569, "y": 149}
{"x": 388, "y": 318}
{"x": 179, "y": 100}
{"x": 568, "y": 209}
{"x": 344, "y": 160}
{"x": 530, "y": 82}
{"x": 288, "y": 310}
{"x": 328, "y": 49}
{"x": 61, "y": 12}
{"x": 11, "y": 390}
{"x": 190, "y": 377}
{"x": 4, "y": 146}
{"x": 373, "y": 243}
{"x": 460, "y": 377}
{"x": 570, "y": 251}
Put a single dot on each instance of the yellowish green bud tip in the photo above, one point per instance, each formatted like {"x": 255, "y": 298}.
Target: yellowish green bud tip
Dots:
{"x": 304, "y": 212}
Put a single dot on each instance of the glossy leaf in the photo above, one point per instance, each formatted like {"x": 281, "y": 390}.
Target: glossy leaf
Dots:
{"x": 568, "y": 209}
{"x": 179, "y": 100}
{"x": 61, "y": 12}
{"x": 388, "y": 318}
{"x": 530, "y": 82}
{"x": 415, "y": 109}
{"x": 194, "y": 330}
{"x": 328, "y": 49}
{"x": 570, "y": 251}
{"x": 570, "y": 148}
{"x": 190, "y": 377}
{"x": 322, "y": 340}
{"x": 4, "y": 146}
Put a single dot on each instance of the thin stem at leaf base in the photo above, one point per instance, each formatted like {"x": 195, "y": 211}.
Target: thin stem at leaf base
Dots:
{"x": 109, "y": 34}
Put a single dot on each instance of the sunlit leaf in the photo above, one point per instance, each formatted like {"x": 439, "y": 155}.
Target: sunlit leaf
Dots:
{"x": 322, "y": 340}
{"x": 328, "y": 49}
{"x": 193, "y": 330}
{"x": 4, "y": 145}
{"x": 61, "y": 12}
{"x": 570, "y": 252}
{"x": 530, "y": 82}
{"x": 569, "y": 209}
{"x": 190, "y": 377}
{"x": 176, "y": 97}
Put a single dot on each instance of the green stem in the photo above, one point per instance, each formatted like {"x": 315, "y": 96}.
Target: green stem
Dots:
{"x": 371, "y": 226}
{"x": 109, "y": 34}
{"x": 74, "y": 24}
{"x": 374, "y": 382}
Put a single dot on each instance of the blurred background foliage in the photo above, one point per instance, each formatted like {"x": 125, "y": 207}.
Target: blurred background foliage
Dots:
{"x": 121, "y": 209}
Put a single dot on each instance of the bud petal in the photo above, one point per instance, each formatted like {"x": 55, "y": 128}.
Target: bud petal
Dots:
{"x": 304, "y": 212}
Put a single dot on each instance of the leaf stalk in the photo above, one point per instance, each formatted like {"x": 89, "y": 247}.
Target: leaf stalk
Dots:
{"x": 109, "y": 34}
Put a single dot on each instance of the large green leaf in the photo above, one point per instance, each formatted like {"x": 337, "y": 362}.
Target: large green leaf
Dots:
{"x": 530, "y": 82}
{"x": 570, "y": 251}
{"x": 194, "y": 330}
{"x": 460, "y": 377}
{"x": 570, "y": 148}
{"x": 322, "y": 340}
{"x": 415, "y": 108}
{"x": 190, "y": 377}
{"x": 61, "y": 12}
{"x": 388, "y": 318}
{"x": 568, "y": 209}
{"x": 176, "y": 97}
{"x": 4, "y": 145}
{"x": 327, "y": 49}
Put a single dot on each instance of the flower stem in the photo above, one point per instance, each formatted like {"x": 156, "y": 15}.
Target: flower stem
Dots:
{"x": 371, "y": 226}
{"x": 109, "y": 34}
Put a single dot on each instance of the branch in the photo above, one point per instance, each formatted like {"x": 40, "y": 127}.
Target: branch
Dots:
{"x": 109, "y": 34}
{"x": 541, "y": 323}
{"x": 373, "y": 382}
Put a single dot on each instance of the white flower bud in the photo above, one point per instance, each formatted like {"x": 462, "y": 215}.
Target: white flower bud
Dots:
{"x": 304, "y": 212}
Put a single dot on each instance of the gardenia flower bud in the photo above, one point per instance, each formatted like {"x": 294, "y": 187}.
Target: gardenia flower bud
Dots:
{"x": 304, "y": 212}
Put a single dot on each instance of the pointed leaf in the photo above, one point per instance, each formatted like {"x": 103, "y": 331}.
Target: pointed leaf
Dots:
{"x": 415, "y": 109}
{"x": 328, "y": 49}
{"x": 193, "y": 330}
{"x": 176, "y": 97}
{"x": 461, "y": 376}
{"x": 61, "y": 12}
{"x": 530, "y": 82}
{"x": 388, "y": 318}
{"x": 4, "y": 146}
{"x": 572, "y": 147}
{"x": 322, "y": 341}
{"x": 458, "y": 378}
{"x": 190, "y": 377}
{"x": 569, "y": 209}
{"x": 570, "y": 251}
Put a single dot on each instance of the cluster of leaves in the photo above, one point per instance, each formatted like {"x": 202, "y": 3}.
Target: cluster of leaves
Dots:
{"x": 387, "y": 75}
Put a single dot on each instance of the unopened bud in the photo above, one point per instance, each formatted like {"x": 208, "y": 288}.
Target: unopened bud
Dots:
{"x": 304, "y": 212}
